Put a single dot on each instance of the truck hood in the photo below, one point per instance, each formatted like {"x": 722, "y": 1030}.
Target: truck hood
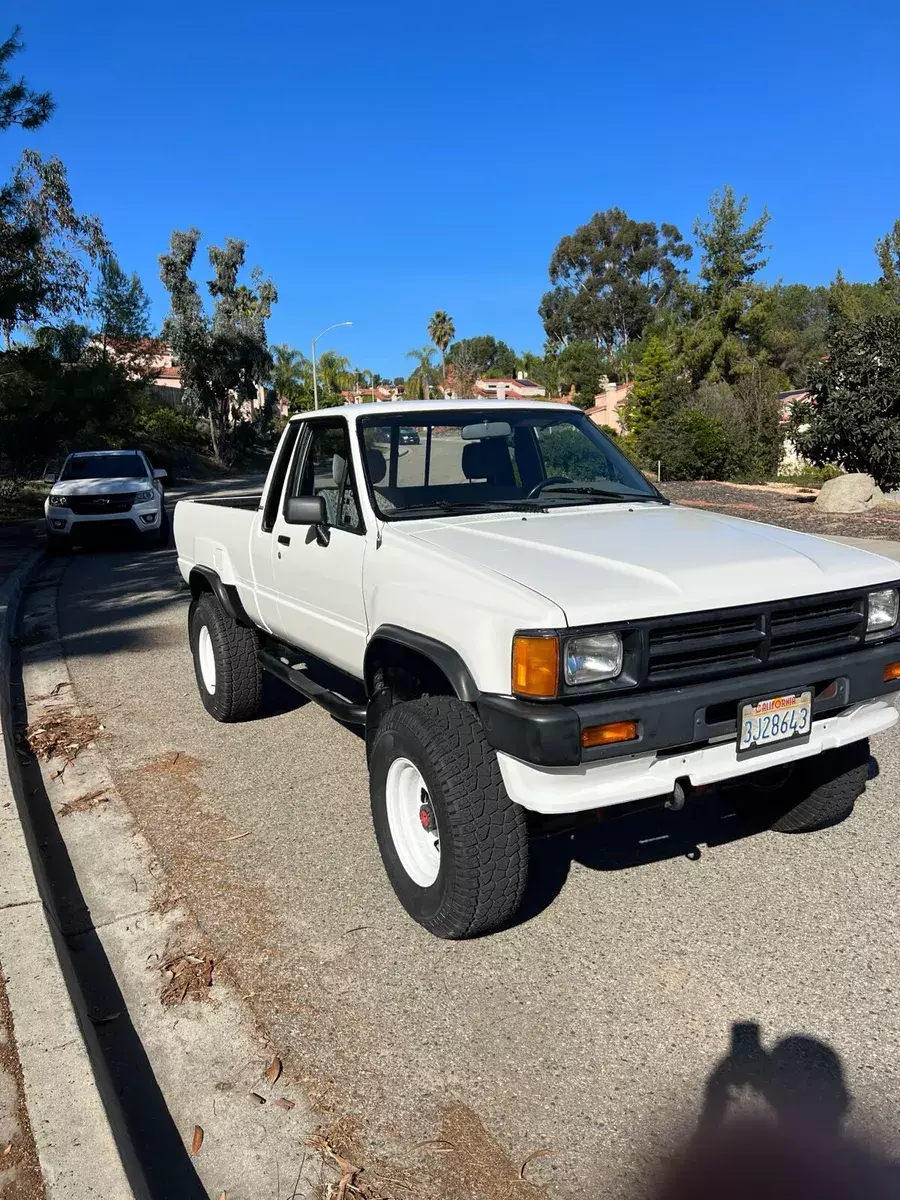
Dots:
{"x": 618, "y": 562}
{"x": 100, "y": 487}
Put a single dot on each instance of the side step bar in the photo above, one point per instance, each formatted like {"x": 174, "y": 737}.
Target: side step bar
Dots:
{"x": 344, "y": 710}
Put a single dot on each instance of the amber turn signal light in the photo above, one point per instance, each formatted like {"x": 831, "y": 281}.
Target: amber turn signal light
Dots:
{"x": 535, "y": 666}
{"x": 605, "y": 735}
{"x": 892, "y": 672}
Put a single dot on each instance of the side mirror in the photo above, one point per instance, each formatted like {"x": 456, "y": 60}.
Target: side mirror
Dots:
{"x": 49, "y": 477}
{"x": 306, "y": 510}
{"x": 160, "y": 473}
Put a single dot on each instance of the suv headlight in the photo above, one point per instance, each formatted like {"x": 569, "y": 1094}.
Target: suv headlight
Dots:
{"x": 884, "y": 608}
{"x": 594, "y": 657}
{"x": 141, "y": 497}
{"x": 59, "y": 501}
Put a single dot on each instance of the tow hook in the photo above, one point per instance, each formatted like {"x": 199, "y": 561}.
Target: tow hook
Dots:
{"x": 680, "y": 793}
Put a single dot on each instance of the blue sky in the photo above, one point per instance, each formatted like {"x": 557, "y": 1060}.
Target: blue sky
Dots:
{"x": 386, "y": 159}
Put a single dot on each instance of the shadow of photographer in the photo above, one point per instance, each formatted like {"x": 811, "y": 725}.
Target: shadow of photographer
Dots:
{"x": 772, "y": 1128}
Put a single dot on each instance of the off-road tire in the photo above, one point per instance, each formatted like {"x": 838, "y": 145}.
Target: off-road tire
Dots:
{"x": 483, "y": 835}
{"x": 238, "y": 685}
{"x": 821, "y": 791}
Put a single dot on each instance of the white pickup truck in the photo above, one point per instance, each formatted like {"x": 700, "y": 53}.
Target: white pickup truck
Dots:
{"x": 523, "y": 624}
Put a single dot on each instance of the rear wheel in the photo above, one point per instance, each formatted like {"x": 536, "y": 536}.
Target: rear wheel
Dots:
{"x": 820, "y": 791}
{"x": 454, "y": 845}
{"x": 226, "y": 661}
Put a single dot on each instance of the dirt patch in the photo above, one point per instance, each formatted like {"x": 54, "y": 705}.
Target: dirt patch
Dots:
{"x": 20, "y": 1174}
{"x": 344, "y": 1173}
{"x": 182, "y": 766}
{"x": 187, "y": 975}
{"x": 474, "y": 1164}
{"x": 788, "y": 506}
{"x": 83, "y": 804}
{"x": 60, "y": 733}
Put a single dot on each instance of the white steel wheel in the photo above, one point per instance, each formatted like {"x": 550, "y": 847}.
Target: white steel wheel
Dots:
{"x": 412, "y": 822}
{"x": 207, "y": 659}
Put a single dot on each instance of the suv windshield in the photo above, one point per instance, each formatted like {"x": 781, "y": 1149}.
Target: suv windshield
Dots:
{"x": 438, "y": 463}
{"x": 104, "y": 466}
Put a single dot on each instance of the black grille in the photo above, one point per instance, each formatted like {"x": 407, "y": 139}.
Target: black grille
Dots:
{"x": 102, "y": 506}
{"x": 706, "y": 646}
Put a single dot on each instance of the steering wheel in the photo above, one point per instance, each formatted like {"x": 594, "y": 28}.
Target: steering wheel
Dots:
{"x": 539, "y": 487}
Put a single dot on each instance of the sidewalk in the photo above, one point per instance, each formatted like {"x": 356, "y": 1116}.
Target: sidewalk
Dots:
{"x": 16, "y": 540}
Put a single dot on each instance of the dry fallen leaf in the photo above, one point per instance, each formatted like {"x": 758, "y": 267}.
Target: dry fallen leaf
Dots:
{"x": 274, "y": 1070}
{"x": 197, "y": 1140}
{"x": 531, "y": 1157}
{"x": 257, "y": 1097}
{"x": 223, "y": 1196}
{"x": 6, "y": 1149}
{"x": 283, "y": 1102}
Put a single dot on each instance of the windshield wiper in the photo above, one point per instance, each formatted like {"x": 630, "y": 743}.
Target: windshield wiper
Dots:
{"x": 471, "y": 506}
{"x": 601, "y": 493}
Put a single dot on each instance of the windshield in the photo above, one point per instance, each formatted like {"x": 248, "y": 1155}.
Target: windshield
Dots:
{"x": 484, "y": 460}
{"x": 103, "y": 466}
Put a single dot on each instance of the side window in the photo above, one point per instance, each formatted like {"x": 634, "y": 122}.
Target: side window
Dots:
{"x": 327, "y": 470}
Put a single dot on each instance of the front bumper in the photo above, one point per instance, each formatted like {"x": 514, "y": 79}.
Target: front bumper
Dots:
{"x": 601, "y": 784}
{"x": 549, "y": 735}
{"x": 140, "y": 518}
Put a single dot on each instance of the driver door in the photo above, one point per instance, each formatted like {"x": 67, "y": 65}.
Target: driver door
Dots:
{"x": 318, "y": 572}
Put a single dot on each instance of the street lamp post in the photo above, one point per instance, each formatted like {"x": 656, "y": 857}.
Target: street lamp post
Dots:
{"x": 336, "y": 325}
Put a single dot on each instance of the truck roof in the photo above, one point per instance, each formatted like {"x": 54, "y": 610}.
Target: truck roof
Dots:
{"x": 392, "y": 408}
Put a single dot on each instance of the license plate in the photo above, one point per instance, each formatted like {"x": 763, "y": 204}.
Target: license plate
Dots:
{"x": 769, "y": 723}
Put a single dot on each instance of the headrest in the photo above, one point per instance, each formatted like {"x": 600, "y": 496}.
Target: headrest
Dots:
{"x": 375, "y": 465}
{"x": 338, "y": 469}
{"x": 482, "y": 460}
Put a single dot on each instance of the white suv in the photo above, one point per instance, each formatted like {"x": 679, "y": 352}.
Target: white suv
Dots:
{"x": 100, "y": 491}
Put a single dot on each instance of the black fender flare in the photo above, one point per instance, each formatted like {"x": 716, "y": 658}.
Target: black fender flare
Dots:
{"x": 225, "y": 593}
{"x": 448, "y": 660}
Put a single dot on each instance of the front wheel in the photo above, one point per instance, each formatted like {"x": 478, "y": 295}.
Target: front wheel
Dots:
{"x": 226, "y": 661}
{"x": 821, "y": 791}
{"x": 454, "y": 846}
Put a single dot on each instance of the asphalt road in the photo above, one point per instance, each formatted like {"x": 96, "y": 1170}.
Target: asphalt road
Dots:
{"x": 590, "y": 1028}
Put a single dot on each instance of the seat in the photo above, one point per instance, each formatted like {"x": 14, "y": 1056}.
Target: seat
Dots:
{"x": 489, "y": 460}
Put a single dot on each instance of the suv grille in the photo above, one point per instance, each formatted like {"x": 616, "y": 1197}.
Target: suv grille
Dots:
{"x": 95, "y": 506}
{"x": 703, "y": 646}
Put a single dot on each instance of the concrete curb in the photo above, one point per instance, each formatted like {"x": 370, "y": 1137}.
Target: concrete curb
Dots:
{"x": 73, "y": 1138}
{"x": 159, "y": 1070}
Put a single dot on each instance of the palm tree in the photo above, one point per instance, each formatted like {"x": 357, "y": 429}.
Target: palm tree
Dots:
{"x": 290, "y": 375}
{"x": 334, "y": 376}
{"x": 423, "y": 357}
{"x": 442, "y": 331}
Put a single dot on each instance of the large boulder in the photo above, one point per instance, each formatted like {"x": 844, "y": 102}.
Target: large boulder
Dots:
{"x": 849, "y": 494}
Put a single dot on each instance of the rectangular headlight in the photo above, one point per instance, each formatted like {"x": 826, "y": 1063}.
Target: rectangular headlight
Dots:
{"x": 143, "y": 497}
{"x": 59, "y": 501}
{"x": 593, "y": 657}
{"x": 884, "y": 608}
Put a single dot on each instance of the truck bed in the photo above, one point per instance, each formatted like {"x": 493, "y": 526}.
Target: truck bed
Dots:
{"x": 215, "y": 533}
{"x": 251, "y": 502}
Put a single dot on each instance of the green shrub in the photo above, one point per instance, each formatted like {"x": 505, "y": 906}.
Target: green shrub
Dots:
{"x": 690, "y": 445}
{"x": 169, "y": 426}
